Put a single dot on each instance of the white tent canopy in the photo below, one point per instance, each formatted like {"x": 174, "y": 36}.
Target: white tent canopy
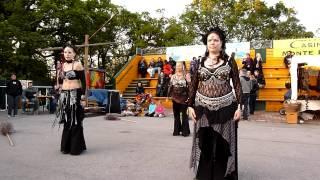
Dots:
{"x": 310, "y": 61}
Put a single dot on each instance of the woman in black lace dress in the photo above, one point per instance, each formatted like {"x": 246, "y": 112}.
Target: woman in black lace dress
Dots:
{"x": 215, "y": 110}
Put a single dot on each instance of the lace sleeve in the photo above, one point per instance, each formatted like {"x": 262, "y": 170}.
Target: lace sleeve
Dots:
{"x": 193, "y": 86}
{"x": 234, "y": 75}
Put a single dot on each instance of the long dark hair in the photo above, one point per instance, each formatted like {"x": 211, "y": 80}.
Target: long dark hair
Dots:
{"x": 73, "y": 47}
{"x": 222, "y": 37}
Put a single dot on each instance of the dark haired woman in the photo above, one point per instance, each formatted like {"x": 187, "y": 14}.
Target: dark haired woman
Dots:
{"x": 139, "y": 88}
{"x": 142, "y": 68}
{"x": 70, "y": 111}
{"x": 215, "y": 111}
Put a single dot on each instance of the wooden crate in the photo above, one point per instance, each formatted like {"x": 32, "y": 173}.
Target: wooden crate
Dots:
{"x": 273, "y": 106}
{"x": 292, "y": 117}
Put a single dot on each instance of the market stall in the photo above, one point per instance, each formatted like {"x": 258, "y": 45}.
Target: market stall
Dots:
{"x": 305, "y": 81}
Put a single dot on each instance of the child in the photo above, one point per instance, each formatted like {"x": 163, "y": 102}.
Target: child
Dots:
{"x": 159, "y": 112}
{"x": 151, "y": 110}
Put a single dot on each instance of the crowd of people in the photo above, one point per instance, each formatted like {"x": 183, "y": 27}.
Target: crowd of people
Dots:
{"x": 252, "y": 79}
{"x": 250, "y": 74}
{"x": 29, "y": 97}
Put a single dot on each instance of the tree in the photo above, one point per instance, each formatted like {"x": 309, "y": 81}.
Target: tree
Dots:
{"x": 176, "y": 34}
{"x": 245, "y": 20}
{"x": 30, "y": 25}
{"x": 202, "y": 14}
{"x": 19, "y": 39}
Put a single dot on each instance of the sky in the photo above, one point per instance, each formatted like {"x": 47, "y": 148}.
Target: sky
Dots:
{"x": 306, "y": 9}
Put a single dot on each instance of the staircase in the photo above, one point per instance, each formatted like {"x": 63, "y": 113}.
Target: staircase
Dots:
{"x": 270, "y": 98}
{"x": 130, "y": 91}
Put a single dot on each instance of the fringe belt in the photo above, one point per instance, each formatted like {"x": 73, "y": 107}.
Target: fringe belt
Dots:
{"x": 215, "y": 103}
{"x": 69, "y": 107}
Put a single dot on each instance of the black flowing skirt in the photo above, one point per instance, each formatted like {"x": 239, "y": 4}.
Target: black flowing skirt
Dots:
{"x": 214, "y": 151}
{"x": 72, "y": 116}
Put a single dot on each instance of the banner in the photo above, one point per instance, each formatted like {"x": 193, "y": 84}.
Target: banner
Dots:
{"x": 186, "y": 53}
{"x": 95, "y": 79}
{"x": 300, "y": 47}
{"x": 240, "y": 48}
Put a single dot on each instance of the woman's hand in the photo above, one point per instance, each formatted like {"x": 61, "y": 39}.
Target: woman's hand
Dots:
{"x": 237, "y": 115}
{"x": 192, "y": 114}
{"x": 188, "y": 77}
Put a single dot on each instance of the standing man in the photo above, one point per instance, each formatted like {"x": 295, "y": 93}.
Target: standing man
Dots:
{"x": 246, "y": 86}
{"x": 173, "y": 64}
{"x": 248, "y": 63}
{"x": 13, "y": 90}
{"x": 253, "y": 93}
{"x": 287, "y": 59}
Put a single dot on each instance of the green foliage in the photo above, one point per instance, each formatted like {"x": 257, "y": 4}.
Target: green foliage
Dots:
{"x": 27, "y": 25}
{"x": 19, "y": 39}
{"x": 245, "y": 20}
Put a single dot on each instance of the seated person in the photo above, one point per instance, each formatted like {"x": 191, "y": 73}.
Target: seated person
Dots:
{"x": 260, "y": 79}
{"x": 30, "y": 95}
{"x": 151, "y": 109}
{"x": 159, "y": 112}
{"x": 158, "y": 65}
{"x": 54, "y": 93}
{"x": 139, "y": 88}
{"x": 162, "y": 85}
{"x": 131, "y": 109}
{"x": 287, "y": 95}
{"x": 142, "y": 68}
{"x": 151, "y": 69}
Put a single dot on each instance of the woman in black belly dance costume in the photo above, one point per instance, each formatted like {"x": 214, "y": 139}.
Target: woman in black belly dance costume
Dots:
{"x": 215, "y": 110}
{"x": 70, "y": 111}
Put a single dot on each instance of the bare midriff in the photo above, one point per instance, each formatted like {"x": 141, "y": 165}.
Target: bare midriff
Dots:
{"x": 71, "y": 84}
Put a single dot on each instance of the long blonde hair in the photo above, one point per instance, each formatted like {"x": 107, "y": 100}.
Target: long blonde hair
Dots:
{"x": 183, "y": 67}
{"x": 258, "y": 56}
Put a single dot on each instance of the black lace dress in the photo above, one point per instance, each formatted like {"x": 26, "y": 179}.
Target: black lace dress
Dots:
{"x": 214, "y": 150}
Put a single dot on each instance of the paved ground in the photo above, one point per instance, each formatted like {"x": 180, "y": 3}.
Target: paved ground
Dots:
{"x": 145, "y": 150}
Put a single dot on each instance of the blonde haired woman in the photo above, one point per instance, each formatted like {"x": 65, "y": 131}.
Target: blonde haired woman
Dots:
{"x": 257, "y": 62}
{"x": 178, "y": 90}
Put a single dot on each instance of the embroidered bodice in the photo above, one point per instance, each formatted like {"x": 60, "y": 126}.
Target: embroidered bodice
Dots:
{"x": 212, "y": 87}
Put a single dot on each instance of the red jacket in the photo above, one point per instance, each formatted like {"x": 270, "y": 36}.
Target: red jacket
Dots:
{"x": 167, "y": 69}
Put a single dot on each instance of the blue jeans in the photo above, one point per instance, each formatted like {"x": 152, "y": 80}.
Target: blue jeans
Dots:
{"x": 32, "y": 100}
{"x": 53, "y": 105}
{"x": 245, "y": 104}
